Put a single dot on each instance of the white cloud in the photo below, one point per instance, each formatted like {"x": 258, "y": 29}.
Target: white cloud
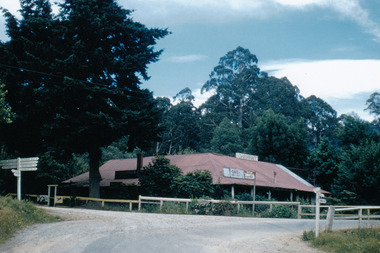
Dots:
{"x": 187, "y": 58}
{"x": 168, "y": 12}
{"x": 335, "y": 81}
{"x": 350, "y": 9}
{"x": 12, "y": 5}
{"x": 199, "y": 97}
{"x": 328, "y": 78}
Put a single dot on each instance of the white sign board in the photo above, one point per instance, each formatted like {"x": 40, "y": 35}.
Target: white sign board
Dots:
{"x": 322, "y": 201}
{"x": 23, "y": 164}
{"x": 249, "y": 175}
{"x": 18, "y": 165}
{"x": 238, "y": 173}
{"x": 247, "y": 157}
{"x": 226, "y": 172}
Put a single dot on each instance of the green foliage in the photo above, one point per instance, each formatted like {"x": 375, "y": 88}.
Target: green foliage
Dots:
{"x": 118, "y": 150}
{"x": 181, "y": 128}
{"x": 279, "y": 95}
{"x": 226, "y": 139}
{"x": 160, "y": 178}
{"x": 308, "y": 235}
{"x": 195, "y": 184}
{"x": 320, "y": 117}
{"x": 359, "y": 174}
{"x": 373, "y": 104}
{"x": 350, "y": 241}
{"x": 234, "y": 80}
{"x": 75, "y": 76}
{"x": 6, "y": 114}
{"x": 15, "y": 215}
{"x": 280, "y": 211}
{"x": 324, "y": 161}
{"x": 353, "y": 131}
{"x": 201, "y": 206}
{"x": 174, "y": 208}
{"x": 224, "y": 208}
{"x": 276, "y": 141}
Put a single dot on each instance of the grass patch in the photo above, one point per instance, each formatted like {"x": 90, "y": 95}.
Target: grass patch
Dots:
{"x": 364, "y": 240}
{"x": 15, "y": 215}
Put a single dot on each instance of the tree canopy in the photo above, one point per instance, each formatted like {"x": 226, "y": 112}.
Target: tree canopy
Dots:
{"x": 74, "y": 77}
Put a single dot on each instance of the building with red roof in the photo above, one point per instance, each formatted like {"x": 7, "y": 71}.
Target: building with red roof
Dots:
{"x": 233, "y": 173}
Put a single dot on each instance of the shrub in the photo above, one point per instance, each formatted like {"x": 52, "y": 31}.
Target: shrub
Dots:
{"x": 195, "y": 184}
{"x": 201, "y": 206}
{"x": 280, "y": 211}
{"x": 308, "y": 235}
{"x": 223, "y": 208}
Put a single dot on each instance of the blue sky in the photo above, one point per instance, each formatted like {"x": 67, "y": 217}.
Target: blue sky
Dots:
{"x": 327, "y": 48}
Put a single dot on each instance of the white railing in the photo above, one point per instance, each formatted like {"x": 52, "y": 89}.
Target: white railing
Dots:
{"x": 160, "y": 201}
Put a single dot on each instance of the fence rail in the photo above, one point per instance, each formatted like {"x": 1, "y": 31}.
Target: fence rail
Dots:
{"x": 341, "y": 212}
{"x": 239, "y": 204}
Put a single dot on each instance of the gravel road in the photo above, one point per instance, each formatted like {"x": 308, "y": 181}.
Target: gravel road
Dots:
{"x": 95, "y": 231}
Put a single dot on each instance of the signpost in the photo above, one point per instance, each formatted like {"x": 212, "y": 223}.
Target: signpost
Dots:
{"x": 319, "y": 199}
{"x": 18, "y": 165}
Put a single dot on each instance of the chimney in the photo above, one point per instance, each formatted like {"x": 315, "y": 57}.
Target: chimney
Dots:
{"x": 275, "y": 177}
{"x": 139, "y": 162}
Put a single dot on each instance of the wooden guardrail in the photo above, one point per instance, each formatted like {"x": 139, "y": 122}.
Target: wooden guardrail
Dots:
{"x": 360, "y": 216}
{"x": 102, "y": 201}
{"x": 160, "y": 201}
{"x": 339, "y": 212}
{"x": 110, "y": 201}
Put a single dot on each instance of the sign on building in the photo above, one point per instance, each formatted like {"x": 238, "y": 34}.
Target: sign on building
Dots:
{"x": 238, "y": 173}
{"x": 247, "y": 157}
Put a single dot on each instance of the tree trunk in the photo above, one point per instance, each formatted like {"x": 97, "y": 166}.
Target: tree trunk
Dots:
{"x": 240, "y": 123}
{"x": 95, "y": 156}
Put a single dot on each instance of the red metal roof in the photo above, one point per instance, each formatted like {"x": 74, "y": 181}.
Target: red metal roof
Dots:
{"x": 267, "y": 174}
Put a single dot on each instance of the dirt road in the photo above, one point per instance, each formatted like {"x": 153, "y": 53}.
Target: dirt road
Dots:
{"x": 105, "y": 231}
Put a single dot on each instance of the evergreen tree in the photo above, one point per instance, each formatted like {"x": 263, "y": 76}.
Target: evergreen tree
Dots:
{"x": 320, "y": 117}
{"x": 226, "y": 139}
{"x": 233, "y": 80}
{"x": 6, "y": 114}
{"x": 276, "y": 141}
{"x": 359, "y": 174}
{"x": 73, "y": 78}
{"x": 323, "y": 164}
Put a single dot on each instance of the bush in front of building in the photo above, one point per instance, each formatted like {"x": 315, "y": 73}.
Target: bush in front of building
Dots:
{"x": 279, "y": 211}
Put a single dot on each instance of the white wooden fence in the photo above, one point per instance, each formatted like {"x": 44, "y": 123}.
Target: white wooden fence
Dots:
{"x": 239, "y": 204}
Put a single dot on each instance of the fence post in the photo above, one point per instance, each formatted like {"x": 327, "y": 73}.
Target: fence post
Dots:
{"x": 187, "y": 206}
{"x": 330, "y": 218}
{"x": 139, "y": 208}
{"x": 368, "y": 213}
{"x": 299, "y": 212}
{"x": 161, "y": 203}
{"x": 360, "y": 216}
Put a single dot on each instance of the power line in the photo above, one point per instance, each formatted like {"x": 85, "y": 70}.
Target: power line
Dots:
{"x": 63, "y": 77}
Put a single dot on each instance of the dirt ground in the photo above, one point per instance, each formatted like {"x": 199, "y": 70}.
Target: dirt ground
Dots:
{"x": 108, "y": 231}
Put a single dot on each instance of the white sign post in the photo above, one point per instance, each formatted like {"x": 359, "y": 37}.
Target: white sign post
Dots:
{"x": 18, "y": 165}
{"x": 319, "y": 198}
